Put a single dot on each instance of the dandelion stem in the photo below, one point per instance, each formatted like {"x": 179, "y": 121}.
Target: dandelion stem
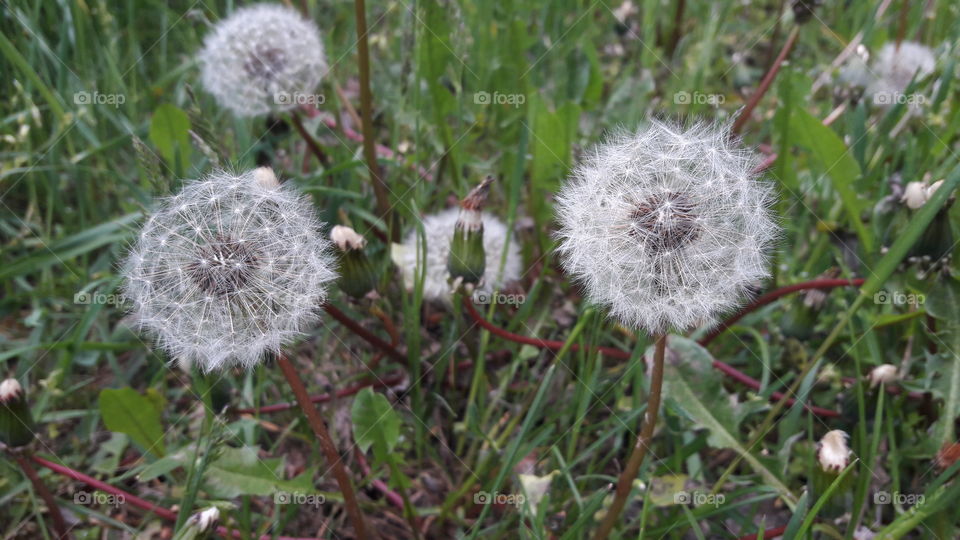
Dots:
{"x": 334, "y": 459}
{"x": 59, "y": 524}
{"x": 312, "y": 143}
{"x": 359, "y": 330}
{"x": 625, "y": 482}
{"x": 766, "y": 82}
{"x": 366, "y": 112}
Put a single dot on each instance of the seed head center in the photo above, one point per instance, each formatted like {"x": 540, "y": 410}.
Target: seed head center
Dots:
{"x": 223, "y": 266}
{"x": 665, "y": 222}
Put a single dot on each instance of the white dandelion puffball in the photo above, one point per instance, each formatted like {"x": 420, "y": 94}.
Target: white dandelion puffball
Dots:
{"x": 666, "y": 227}
{"x": 229, "y": 269}
{"x": 894, "y": 67}
{"x": 438, "y": 231}
{"x": 263, "y": 58}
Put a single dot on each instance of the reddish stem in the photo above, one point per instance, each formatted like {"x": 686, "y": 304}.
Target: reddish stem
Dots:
{"x": 356, "y": 328}
{"x": 727, "y": 369}
{"x": 769, "y": 533}
{"x": 773, "y": 295}
{"x": 323, "y": 398}
{"x": 766, "y": 82}
{"x": 132, "y": 499}
{"x": 312, "y": 143}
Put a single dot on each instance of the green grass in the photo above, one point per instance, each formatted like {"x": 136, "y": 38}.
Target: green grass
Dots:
{"x": 74, "y": 187}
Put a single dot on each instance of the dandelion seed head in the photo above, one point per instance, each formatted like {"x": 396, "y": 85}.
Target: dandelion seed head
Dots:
{"x": 261, "y": 58}
{"x": 438, "y": 231}
{"x": 666, "y": 227}
{"x": 223, "y": 288}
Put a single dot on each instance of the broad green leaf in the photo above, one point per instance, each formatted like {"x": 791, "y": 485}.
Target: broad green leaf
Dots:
{"x": 837, "y": 162}
{"x": 126, "y": 411}
{"x": 170, "y": 133}
{"x": 553, "y": 134}
{"x": 692, "y": 386}
{"x": 240, "y": 471}
{"x": 375, "y": 423}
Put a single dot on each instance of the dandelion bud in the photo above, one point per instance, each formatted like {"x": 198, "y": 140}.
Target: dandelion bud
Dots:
{"x": 667, "y": 227}
{"x": 263, "y": 58}
{"x": 16, "y": 423}
{"x": 467, "y": 259}
{"x": 882, "y": 374}
{"x": 833, "y": 452}
{"x": 229, "y": 270}
{"x": 914, "y": 195}
{"x": 438, "y": 235}
{"x": 357, "y": 275}
{"x": 200, "y": 525}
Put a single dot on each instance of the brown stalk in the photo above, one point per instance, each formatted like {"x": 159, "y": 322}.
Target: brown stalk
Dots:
{"x": 326, "y": 444}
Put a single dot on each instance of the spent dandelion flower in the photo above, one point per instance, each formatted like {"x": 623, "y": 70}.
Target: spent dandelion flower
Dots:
{"x": 833, "y": 452}
{"x": 263, "y": 58}
{"x": 667, "y": 227}
{"x": 438, "y": 232}
{"x": 229, "y": 269}
{"x": 894, "y": 67}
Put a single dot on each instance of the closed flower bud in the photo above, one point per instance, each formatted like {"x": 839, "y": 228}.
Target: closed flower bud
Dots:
{"x": 16, "y": 423}
{"x": 200, "y": 525}
{"x": 882, "y": 374}
{"x": 357, "y": 275}
{"x": 833, "y": 453}
{"x": 914, "y": 195}
{"x": 467, "y": 260}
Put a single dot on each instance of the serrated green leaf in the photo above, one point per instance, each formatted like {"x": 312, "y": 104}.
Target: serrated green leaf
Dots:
{"x": 240, "y": 471}
{"x": 837, "y": 162}
{"x": 126, "y": 411}
{"x": 170, "y": 133}
{"x": 690, "y": 385}
{"x": 375, "y": 423}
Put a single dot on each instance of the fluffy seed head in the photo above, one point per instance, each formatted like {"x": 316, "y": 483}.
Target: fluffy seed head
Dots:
{"x": 438, "y": 231}
{"x": 228, "y": 269}
{"x": 262, "y": 58}
{"x": 667, "y": 227}
{"x": 894, "y": 67}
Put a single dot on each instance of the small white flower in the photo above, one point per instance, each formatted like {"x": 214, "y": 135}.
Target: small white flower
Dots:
{"x": 346, "y": 238}
{"x": 667, "y": 227}
{"x": 833, "y": 454}
{"x": 438, "y": 231}
{"x": 262, "y": 58}
{"x": 916, "y": 194}
{"x": 229, "y": 269}
{"x": 10, "y": 389}
{"x": 882, "y": 374}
